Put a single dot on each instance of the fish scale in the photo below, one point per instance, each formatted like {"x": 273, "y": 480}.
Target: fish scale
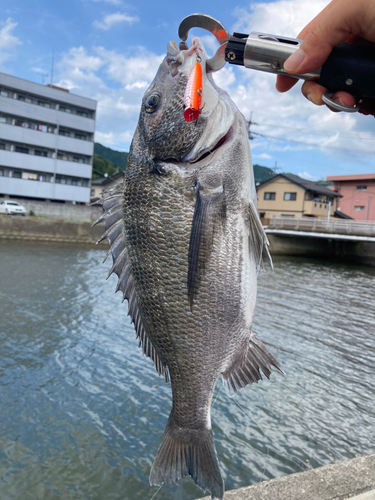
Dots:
{"x": 187, "y": 245}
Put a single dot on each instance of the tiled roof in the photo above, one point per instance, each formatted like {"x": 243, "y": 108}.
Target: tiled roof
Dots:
{"x": 305, "y": 184}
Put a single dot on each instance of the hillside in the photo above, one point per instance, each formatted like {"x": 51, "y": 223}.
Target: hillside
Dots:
{"x": 100, "y": 166}
{"x": 262, "y": 174}
{"x": 117, "y": 157}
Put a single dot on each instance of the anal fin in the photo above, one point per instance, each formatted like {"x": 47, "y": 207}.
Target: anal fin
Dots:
{"x": 247, "y": 368}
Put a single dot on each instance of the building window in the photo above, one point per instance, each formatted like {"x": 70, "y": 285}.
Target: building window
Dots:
{"x": 2, "y": 145}
{"x": 30, "y": 176}
{"x": 1, "y": 172}
{"x": 17, "y": 174}
{"x": 80, "y": 136}
{"x": 82, "y": 113}
{"x": 361, "y": 188}
{"x": 290, "y": 196}
{"x": 60, "y": 179}
{"x": 359, "y": 208}
{"x": 92, "y": 191}
{"x": 40, "y": 153}
{"x": 19, "y": 149}
{"x": 4, "y": 93}
{"x": 269, "y": 196}
{"x": 287, "y": 216}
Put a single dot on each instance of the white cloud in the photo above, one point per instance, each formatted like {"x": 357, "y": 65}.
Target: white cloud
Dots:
{"x": 285, "y": 17}
{"x": 263, "y": 156}
{"x": 7, "y": 40}
{"x": 78, "y": 58}
{"x": 129, "y": 70}
{"x": 307, "y": 176}
{"x": 113, "y": 2}
{"x": 116, "y": 81}
{"x": 113, "y": 19}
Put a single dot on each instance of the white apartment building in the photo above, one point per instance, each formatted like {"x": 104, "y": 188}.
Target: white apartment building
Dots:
{"x": 46, "y": 142}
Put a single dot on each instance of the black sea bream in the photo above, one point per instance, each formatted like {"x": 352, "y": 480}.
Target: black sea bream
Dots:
{"x": 187, "y": 245}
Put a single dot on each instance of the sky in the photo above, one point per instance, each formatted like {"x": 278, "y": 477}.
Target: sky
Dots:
{"x": 109, "y": 50}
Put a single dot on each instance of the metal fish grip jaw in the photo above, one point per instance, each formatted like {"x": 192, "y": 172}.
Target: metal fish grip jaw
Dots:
{"x": 349, "y": 67}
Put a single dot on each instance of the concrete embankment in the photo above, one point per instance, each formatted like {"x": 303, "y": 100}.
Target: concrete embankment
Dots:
{"x": 35, "y": 229}
{"x": 354, "y": 479}
{"x": 354, "y": 249}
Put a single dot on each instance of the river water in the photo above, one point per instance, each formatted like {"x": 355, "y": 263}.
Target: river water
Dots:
{"x": 82, "y": 411}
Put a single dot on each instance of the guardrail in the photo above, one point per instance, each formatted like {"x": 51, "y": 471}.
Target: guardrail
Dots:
{"x": 323, "y": 225}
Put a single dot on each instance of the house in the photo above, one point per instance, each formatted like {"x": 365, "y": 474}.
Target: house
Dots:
{"x": 287, "y": 195}
{"x": 46, "y": 142}
{"x": 100, "y": 185}
{"x": 357, "y": 195}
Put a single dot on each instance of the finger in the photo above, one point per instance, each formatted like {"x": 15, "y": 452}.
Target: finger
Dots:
{"x": 284, "y": 83}
{"x": 314, "y": 92}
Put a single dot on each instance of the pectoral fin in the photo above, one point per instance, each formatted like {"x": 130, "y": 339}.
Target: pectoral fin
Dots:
{"x": 208, "y": 222}
{"x": 258, "y": 241}
{"x": 114, "y": 233}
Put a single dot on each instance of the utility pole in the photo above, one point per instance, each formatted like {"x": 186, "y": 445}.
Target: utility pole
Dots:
{"x": 249, "y": 123}
{"x": 52, "y": 69}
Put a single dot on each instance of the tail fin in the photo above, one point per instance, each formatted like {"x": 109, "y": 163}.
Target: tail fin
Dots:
{"x": 186, "y": 452}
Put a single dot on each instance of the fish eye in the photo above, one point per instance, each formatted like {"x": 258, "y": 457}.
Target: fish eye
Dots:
{"x": 152, "y": 103}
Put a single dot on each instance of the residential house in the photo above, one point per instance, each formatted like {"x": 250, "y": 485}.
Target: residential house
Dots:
{"x": 100, "y": 185}
{"x": 357, "y": 195}
{"x": 287, "y": 195}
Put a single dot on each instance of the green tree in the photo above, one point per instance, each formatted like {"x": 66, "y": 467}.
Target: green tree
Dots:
{"x": 101, "y": 166}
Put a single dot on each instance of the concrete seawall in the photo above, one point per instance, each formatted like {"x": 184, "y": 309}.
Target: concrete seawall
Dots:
{"x": 66, "y": 211}
{"x": 353, "y": 479}
{"x": 34, "y": 229}
{"x": 337, "y": 247}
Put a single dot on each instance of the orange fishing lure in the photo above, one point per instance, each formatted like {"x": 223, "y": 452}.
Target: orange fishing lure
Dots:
{"x": 193, "y": 94}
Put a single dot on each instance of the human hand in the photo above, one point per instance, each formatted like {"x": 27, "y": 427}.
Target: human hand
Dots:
{"x": 341, "y": 21}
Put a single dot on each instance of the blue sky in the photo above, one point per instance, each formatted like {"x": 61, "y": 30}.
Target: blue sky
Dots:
{"x": 109, "y": 50}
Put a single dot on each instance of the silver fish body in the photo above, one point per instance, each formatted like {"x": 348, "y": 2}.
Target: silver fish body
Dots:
{"x": 187, "y": 245}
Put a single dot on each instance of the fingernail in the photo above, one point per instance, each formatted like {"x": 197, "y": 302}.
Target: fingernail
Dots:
{"x": 309, "y": 97}
{"x": 338, "y": 100}
{"x": 295, "y": 60}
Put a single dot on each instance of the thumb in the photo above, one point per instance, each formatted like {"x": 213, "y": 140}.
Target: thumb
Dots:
{"x": 335, "y": 26}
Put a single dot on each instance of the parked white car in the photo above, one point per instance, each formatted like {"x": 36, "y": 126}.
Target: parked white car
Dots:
{"x": 12, "y": 208}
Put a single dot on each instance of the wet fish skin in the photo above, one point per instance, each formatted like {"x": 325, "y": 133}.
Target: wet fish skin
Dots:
{"x": 193, "y": 244}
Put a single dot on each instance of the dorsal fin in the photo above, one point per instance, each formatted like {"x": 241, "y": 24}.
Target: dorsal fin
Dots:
{"x": 111, "y": 202}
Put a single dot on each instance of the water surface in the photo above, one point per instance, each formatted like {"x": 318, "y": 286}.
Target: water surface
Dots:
{"x": 82, "y": 411}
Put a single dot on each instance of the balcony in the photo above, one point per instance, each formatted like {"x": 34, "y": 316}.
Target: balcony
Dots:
{"x": 40, "y": 164}
{"x": 44, "y": 190}
{"x": 45, "y": 115}
{"x": 317, "y": 208}
{"x": 45, "y": 140}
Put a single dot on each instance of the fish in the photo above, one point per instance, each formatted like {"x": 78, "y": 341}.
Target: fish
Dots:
{"x": 187, "y": 245}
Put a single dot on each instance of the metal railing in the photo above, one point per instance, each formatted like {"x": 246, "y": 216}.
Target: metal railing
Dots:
{"x": 362, "y": 228}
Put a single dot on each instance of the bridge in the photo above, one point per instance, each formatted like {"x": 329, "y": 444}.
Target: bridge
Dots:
{"x": 331, "y": 239}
